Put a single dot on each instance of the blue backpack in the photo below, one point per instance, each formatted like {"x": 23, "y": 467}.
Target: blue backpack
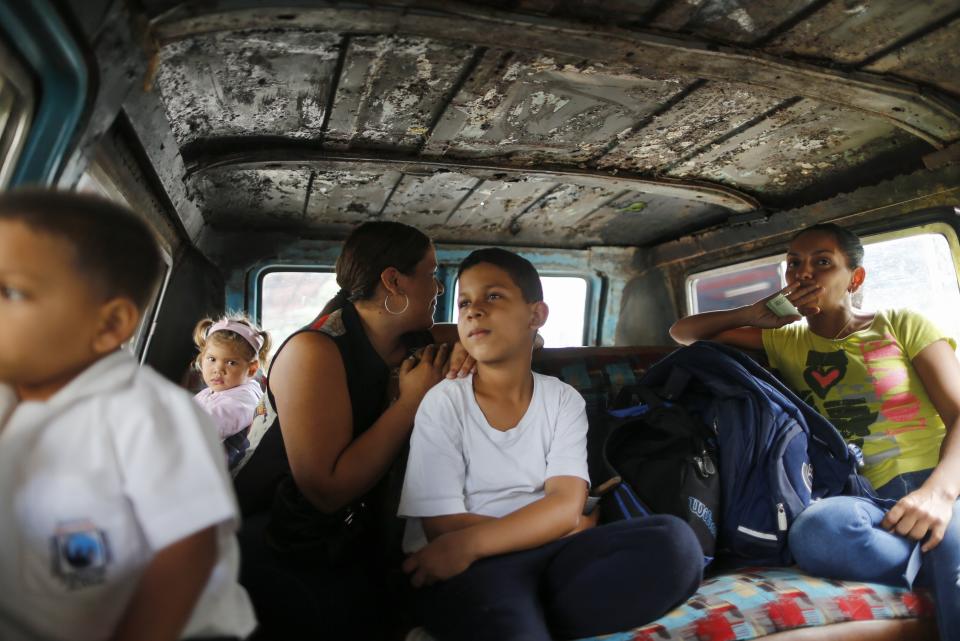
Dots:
{"x": 658, "y": 458}
{"x": 776, "y": 453}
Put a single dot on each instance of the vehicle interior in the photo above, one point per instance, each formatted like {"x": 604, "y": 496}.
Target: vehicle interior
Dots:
{"x": 650, "y": 157}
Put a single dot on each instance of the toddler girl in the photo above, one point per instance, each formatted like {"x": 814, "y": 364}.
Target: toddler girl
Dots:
{"x": 231, "y": 352}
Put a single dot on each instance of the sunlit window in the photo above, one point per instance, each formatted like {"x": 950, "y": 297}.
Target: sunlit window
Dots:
{"x": 291, "y": 299}
{"x": 913, "y": 272}
{"x": 566, "y": 296}
{"x": 911, "y": 269}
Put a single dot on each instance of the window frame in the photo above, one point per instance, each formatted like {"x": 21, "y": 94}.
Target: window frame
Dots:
{"x": 446, "y": 305}
{"x": 591, "y": 303}
{"x": 105, "y": 185}
{"x": 936, "y": 227}
{"x": 148, "y": 324}
{"x": 38, "y": 33}
{"x": 12, "y": 140}
{"x": 259, "y": 275}
{"x": 720, "y": 271}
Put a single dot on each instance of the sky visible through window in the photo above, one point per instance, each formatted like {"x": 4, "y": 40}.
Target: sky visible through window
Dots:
{"x": 566, "y": 297}
{"x": 291, "y": 299}
{"x": 913, "y": 272}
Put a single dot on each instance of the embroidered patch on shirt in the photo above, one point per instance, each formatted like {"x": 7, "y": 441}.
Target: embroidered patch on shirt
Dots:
{"x": 81, "y": 552}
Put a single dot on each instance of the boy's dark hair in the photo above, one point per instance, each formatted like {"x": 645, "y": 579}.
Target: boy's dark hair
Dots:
{"x": 371, "y": 248}
{"x": 114, "y": 249}
{"x": 848, "y": 241}
{"x": 521, "y": 270}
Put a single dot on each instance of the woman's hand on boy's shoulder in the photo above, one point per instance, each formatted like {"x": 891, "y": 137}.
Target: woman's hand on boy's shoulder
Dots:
{"x": 461, "y": 363}
{"x": 446, "y": 556}
{"x": 418, "y": 374}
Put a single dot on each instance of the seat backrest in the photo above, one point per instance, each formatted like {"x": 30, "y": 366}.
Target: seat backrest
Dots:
{"x": 598, "y": 373}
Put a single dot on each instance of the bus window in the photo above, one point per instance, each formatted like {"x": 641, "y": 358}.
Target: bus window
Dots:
{"x": 291, "y": 299}
{"x": 735, "y": 286}
{"x": 566, "y": 296}
{"x": 913, "y": 268}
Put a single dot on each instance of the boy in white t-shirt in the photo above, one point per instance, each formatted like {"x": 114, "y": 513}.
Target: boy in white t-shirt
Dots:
{"x": 118, "y": 514}
{"x": 496, "y": 484}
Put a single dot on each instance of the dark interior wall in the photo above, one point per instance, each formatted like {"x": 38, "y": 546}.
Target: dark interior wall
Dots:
{"x": 195, "y": 290}
{"x": 646, "y": 310}
{"x": 86, "y": 15}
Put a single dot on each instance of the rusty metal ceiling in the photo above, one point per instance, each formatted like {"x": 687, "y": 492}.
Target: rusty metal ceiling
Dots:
{"x": 548, "y": 122}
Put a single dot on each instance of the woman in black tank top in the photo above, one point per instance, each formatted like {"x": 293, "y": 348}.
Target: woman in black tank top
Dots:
{"x": 319, "y": 517}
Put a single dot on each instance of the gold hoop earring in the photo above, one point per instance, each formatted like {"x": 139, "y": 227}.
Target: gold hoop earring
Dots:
{"x": 386, "y": 304}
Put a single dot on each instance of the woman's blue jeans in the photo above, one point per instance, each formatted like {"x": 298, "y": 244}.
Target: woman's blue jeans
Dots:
{"x": 841, "y": 538}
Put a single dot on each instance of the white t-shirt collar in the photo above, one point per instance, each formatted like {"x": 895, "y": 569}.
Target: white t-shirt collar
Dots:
{"x": 108, "y": 373}
{"x": 495, "y": 434}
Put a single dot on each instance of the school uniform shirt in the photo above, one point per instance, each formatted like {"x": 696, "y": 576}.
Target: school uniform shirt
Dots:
{"x": 232, "y": 409}
{"x": 94, "y": 481}
{"x": 866, "y": 385}
{"x": 459, "y": 463}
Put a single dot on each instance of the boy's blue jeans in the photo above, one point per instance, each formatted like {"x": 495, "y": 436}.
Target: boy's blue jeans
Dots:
{"x": 841, "y": 538}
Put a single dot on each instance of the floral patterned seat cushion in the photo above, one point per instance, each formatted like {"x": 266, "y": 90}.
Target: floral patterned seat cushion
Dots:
{"x": 760, "y": 601}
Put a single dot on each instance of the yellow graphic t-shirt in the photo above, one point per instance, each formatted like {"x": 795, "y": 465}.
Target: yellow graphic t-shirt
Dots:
{"x": 867, "y": 386}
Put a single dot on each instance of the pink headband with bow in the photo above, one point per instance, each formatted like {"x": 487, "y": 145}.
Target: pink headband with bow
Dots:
{"x": 248, "y": 333}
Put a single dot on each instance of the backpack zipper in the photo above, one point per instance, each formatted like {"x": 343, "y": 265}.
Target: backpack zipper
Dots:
{"x": 781, "y": 517}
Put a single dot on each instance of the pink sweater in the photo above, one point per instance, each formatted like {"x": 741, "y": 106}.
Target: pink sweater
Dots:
{"x": 232, "y": 409}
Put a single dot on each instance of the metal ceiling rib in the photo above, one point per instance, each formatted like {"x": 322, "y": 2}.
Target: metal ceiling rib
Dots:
{"x": 708, "y": 118}
{"x": 554, "y": 214}
{"x": 933, "y": 118}
{"x": 278, "y": 157}
{"x": 899, "y": 196}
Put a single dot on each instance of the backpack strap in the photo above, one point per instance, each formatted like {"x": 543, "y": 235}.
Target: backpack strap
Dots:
{"x": 635, "y": 394}
{"x": 677, "y": 382}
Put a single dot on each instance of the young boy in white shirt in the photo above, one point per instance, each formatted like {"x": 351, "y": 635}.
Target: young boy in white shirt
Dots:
{"x": 496, "y": 484}
{"x": 118, "y": 513}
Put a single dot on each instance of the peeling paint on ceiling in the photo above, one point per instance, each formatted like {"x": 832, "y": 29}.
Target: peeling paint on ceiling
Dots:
{"x": 235, "y": 83}
{"x": 933, "y": 59}
{"x": 400, "y": 98}
{"x": 808, "y": 140}
{"x": 700, "y": 118}
{"x": 851, "y": 31}
{"x": 737, "y": 21}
